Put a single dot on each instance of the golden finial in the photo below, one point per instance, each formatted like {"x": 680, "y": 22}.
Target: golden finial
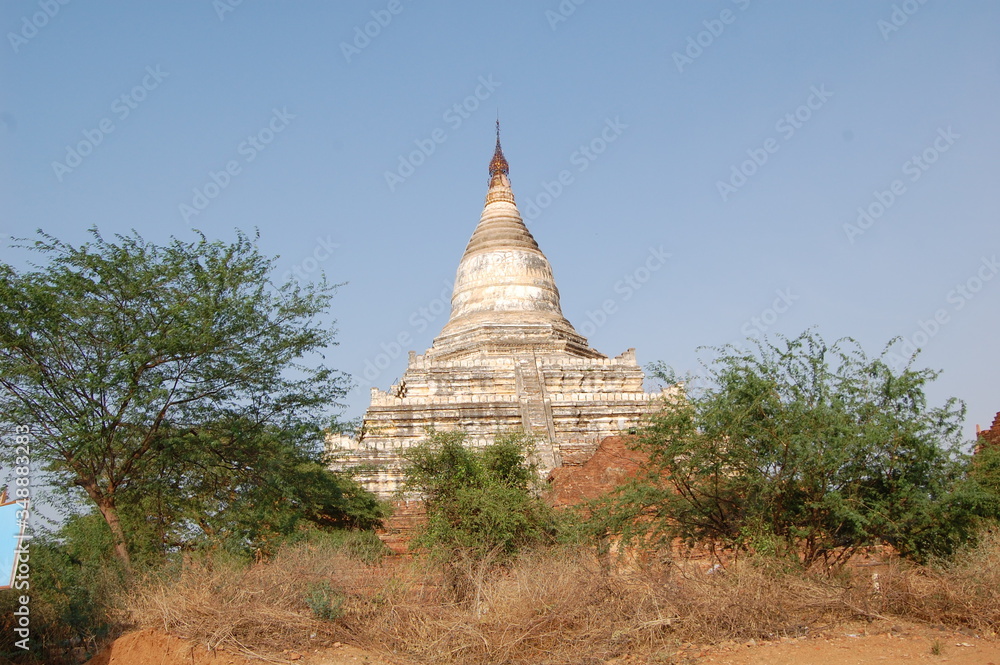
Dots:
{"x": 499, "y": 163}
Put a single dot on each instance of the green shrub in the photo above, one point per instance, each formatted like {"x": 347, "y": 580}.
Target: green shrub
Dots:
{"x": 806, "y": 450}
{"x": 482, "y": 502}
{"x": 325, "y": 602}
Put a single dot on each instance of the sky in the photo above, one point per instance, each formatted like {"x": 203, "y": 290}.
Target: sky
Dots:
{"x": 696, "y": 172}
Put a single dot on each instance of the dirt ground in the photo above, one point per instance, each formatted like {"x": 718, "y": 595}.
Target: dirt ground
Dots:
{"x": 853, "y": 645}
{"x": 844, "y": 645}
{"x": 152, "y": 647}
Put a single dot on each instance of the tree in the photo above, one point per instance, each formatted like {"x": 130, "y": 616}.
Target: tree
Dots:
{"x": 984, "y": 476}
{"x": 146, "y": 369}
{"x": 243, "y": 488}
{"x": 809, "y": 449}
{"x": 481, "y": 501}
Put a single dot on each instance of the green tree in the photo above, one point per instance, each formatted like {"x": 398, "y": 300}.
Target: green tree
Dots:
{"x": 479, "y": 501}
{"x": 153, "y": 373}
{"x": 984, "y": 474}
{"x": 243, "y": 488}
{"x": 809, "y": 449}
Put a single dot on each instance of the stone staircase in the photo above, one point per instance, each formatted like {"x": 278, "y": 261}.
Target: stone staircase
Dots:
{"x": 407, "y": 517}
{"x": 536, "y": 412}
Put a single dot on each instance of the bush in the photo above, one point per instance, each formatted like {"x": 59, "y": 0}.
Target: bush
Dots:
{"x": 76, "y": 584}
{"x": 325, "y": 602}
{"x": 483, "y": 502}
{"x": 363, "y": 546}
{"x": 984, "y": 472}
{"x": 807, "y": 450}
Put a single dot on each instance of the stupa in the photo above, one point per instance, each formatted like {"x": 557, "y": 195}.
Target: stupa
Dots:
{"x": 507, "y": 359}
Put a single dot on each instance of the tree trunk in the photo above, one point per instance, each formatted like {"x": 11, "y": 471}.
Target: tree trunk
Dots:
{"x": 110, "y": 514}
{"x": 106, "y": 505}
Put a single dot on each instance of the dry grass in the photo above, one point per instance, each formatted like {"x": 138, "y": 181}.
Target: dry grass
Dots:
{"x": 258, "y": 610}
{"x": 963, "y": 592}
{"x": 556, "y": 606}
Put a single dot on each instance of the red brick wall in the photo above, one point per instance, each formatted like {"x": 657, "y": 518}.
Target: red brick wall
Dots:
{"x": 612, "y": 464}
{"x": 991, "y": 436}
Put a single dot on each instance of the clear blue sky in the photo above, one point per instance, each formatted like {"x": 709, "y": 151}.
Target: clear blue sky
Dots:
{"x": 833, "y": 100}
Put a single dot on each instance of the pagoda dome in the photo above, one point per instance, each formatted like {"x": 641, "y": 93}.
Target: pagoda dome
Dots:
{"x": 503, "y": 278}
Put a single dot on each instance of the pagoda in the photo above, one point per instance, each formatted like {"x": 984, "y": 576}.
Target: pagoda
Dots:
{"x": 507, "y": 360}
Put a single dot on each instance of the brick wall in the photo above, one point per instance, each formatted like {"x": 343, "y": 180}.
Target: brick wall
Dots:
{"x": 611, "y": 464}
{"x": 991, "y": 436}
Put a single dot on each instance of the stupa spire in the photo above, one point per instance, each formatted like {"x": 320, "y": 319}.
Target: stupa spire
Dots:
{"x": 499, "y": 163}
{"x": 504, "y": 292}
{"x": 499, "y": 189}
